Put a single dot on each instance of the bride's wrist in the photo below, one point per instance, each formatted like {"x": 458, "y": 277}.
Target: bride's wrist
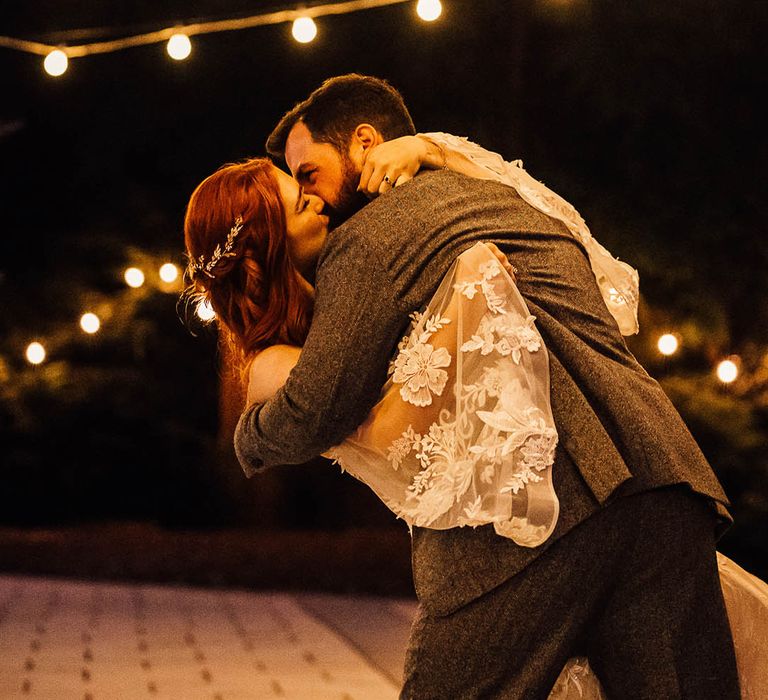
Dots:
{"x": 434, "y": 156}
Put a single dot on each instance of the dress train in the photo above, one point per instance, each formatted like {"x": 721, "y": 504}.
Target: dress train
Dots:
{"x": 746, "y": 600}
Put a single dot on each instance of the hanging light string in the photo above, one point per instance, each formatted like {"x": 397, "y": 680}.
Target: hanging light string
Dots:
{"x": 224, "y": 25}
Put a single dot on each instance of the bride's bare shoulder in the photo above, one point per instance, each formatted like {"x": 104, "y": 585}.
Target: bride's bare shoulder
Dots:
{"x": 269, "y": 370}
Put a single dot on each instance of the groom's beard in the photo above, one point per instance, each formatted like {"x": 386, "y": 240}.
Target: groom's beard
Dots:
{"x": 349, "y": 201}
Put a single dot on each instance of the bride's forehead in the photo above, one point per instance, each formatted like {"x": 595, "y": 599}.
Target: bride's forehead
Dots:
{"x": 285, "y": 182}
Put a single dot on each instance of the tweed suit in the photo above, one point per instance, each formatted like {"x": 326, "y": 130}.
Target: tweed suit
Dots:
{"x": 619, "y": 434}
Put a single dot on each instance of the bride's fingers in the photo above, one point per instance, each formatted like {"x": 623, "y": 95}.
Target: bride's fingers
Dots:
{"x": 365, "y": 176}
{"x": 386, "y": 184}
{"x": 403, "y": 177}
{"x": 385, "y": 166}
{"x": 377, "y": 184}
{"x": 372, "y": 174}
{"x": 372, "y": 178}
{"x": 502, "y": 259}
{"x": 392, "y": 178}
{"x": 386, "y": 181}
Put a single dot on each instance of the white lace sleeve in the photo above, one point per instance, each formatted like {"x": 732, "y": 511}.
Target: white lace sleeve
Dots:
{"x": 463, "y": 433}
{"x": 618, "y": 281}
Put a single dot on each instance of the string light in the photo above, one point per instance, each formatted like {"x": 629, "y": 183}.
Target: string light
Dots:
{"x": 179, "y": 47}
{"x": 59, "y": 63}
{"x": 134, "y": 277}
{"x": 35, "y": 353}
{"x": 205, "y": 311}
{"x": 668, "y": 344}
{"x": 56, "y": 63}
{"x": 727, "y": 371}
{"x": 90, "y": 323}
{"x": 169, "y": 273}
{"x": 429, "y": 10}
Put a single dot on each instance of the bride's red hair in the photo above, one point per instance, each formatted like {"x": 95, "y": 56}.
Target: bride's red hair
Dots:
{"x": 257, "y": 293}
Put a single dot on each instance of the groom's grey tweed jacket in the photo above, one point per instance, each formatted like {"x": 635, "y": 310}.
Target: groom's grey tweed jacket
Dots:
{"x": 619, "y": 434}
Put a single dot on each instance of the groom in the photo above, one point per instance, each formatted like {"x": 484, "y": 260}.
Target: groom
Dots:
{"x": 629, "y": 576}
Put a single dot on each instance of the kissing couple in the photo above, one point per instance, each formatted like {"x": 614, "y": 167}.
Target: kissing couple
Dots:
{"x": 446, "y": 328}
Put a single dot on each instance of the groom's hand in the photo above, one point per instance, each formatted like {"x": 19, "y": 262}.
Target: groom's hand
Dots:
{"x": 391, "y": 164}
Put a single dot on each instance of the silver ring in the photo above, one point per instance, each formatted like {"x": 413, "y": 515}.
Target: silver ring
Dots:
{"x": 387, "y": 180}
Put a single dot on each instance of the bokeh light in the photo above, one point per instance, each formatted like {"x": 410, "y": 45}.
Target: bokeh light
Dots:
{"x": 90, "y": 322}
{"x": 35, "y": 353}
{"x": 727, "y": 371}
{"x": 304, "y": 29}
{"x": 56, "y": 63}
{"x": 205, "y": 311}
{"x": 169, "y": 272}
{"x": 429, "y": 10}
{"x": 134, "y": 277}
{"x": 179, "y": 47}
{"x": 668, "y": 344}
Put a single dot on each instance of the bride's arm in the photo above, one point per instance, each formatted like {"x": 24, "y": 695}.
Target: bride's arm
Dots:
{"x": 401, "y": 158}
{"x": 269, "y": 370}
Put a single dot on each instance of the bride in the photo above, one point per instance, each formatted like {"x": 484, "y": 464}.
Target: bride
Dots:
{"x": 253, "y": 237}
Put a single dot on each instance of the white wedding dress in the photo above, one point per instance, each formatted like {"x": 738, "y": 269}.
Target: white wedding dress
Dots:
{"x": 463, "y": 433}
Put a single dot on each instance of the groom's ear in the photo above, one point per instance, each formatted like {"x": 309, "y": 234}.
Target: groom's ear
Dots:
{"x": 365, "y": 136}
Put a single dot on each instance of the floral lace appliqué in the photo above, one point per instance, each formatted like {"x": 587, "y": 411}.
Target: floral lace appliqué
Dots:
{"x": 463, "y": 434}
{"x": 418, "y": 365}
{"x": 488, "y": 270}
{"x": 496, "y": 429}
{"x": 504, "y": 335}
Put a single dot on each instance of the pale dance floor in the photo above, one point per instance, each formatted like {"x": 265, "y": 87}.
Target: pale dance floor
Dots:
{"x": 62, "y": 639}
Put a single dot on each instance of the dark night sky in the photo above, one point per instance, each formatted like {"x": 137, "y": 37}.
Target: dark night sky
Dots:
{"x": 640, "y": 115}
{"x": 645, "y": 115}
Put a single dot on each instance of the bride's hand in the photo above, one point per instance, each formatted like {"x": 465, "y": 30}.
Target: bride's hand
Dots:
{"x": 391, "y": 163}
{"x": 503, "y": 259}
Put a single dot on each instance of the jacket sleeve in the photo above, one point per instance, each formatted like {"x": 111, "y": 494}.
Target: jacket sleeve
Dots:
{"x": 356, "y": 326}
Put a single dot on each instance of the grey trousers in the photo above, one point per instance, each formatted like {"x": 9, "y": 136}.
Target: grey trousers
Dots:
{"x": 635, "y": 588}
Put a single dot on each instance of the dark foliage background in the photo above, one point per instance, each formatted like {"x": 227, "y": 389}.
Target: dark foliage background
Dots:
{"x": 647, "y": 116}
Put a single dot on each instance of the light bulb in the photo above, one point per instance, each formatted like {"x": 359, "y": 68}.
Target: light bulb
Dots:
{"x": 304, "y": 29}
{"x": 169, "y": 272}
{"x": 35, "y": 353}
{"x": 56, "y": 63}
{"x": 134, "y": 277}
{"x": 429, "y": 10}
{"x": 668, "y": 344}
{"x": 90, "y": 323}
{"x": 205, "y": 311}
{"x": 179, "y": 47}
{"x": 727, "y": 371}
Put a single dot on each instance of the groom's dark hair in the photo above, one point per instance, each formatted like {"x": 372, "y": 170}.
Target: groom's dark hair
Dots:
{"x": 332, "y": 112}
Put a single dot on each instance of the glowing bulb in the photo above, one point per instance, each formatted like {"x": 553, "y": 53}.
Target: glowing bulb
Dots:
{"x": 134, "y": 277}
{"x": 169, "y": 272}
{"x": 179, "y": 47}
{"x": 727, "y": 371}
{"x": 35, "y": 353}
{"x": 668, "y": 344}
{"x": 56, "y": 63}
{"x": 205, "y": 311}
{"x": 304, "y": 29}
{"x": 429, "y": 10}
{"x": 90, "y": 323}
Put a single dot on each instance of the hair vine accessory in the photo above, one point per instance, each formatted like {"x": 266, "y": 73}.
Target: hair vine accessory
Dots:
{"x": 200, "y": 265}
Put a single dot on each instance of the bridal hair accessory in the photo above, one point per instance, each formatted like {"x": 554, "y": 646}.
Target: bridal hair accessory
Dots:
{"x": 200, "y": 265}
